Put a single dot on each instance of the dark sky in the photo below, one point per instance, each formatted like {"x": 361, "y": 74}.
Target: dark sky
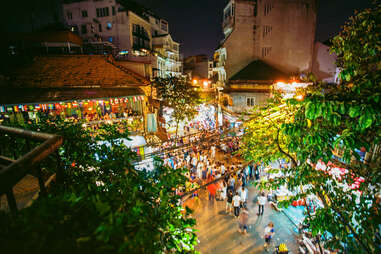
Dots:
{"x": 196, "y": 24}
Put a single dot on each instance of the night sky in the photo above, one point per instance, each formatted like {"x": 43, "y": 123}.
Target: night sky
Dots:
{"x": 196, "y": 24}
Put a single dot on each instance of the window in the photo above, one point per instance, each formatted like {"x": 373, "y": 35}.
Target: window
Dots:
{"x": 102, "y": 12}
{"x": 113, "y": 11}
{"x": 100, "y": 28}
{"x": 164, "y": 25}
{"x": 84, "y": 14}
{"x": 109, "y": 25}
{"x": 266, "y": 51}
{"x": 250, "y": 101}
{"x": 74, "y": 29}
{"x": 83, "y": 29}
{"x": 267, "y": 9}
{"x": 267, "y": 30}
{"x": 69, "y": 15}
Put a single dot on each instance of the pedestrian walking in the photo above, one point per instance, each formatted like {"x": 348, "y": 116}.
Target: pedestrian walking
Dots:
{"x": 243, "y": 196}
{"x": 229, "y": 201}
{"x": 243, "y": 219}
{"x": 236, "y": 204}
{"x": 269, "y": 234}
{"x": 261, "y": 203}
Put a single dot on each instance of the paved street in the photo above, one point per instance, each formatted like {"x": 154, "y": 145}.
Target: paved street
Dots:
{"x": 218, "y": 231}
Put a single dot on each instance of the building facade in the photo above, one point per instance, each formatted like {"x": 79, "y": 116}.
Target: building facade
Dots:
{"x": 280, "y": 33}
{"x": 166, "y": 59}
{"x": 198, "y": 67}
{"x": 134, "y": 32}
{"x": 274, "y": 35}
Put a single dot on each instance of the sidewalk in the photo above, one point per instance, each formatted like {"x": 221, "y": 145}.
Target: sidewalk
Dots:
{"x": 218, "y": 231}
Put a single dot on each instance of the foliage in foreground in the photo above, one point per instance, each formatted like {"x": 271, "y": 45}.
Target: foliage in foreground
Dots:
{"x": 343, "y": 118}
{"x": 103, "y": 206}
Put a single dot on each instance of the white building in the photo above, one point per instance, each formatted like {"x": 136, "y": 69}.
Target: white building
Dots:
{"x": 134, "y": 32}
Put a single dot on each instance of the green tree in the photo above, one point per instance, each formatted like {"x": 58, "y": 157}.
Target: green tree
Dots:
{"x": 104, "y": 204}
{"x": 179, "y": 95}
{"x": 346, "y": 118}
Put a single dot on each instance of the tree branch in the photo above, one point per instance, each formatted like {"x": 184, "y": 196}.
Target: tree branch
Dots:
{"x": 293, "y": 161}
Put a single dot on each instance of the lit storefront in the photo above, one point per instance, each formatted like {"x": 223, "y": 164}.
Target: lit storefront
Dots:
{"x": 76, "y": 104}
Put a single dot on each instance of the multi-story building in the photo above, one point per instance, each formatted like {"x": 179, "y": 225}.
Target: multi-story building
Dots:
{"x": 134, "y": 32}
{"x": 166, "y": 60}
{"x": 198, "y": 67}
{"x": 276, "y": 35}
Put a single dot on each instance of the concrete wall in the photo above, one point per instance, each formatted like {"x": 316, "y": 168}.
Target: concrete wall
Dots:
{"x": 284, "y": 35}
{"x": 239, "y": 44}
{"x": 292, "y": 33}
{"x": 240, "y": 100}
{"x": 120, "y": 29}
{"x": 324, "y": 67}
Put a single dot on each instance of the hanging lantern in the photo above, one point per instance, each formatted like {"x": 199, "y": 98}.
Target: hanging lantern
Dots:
{"x": 25, "y": 108}
{"x": 10, "y": 109}
{"x": 16, "y": 108}
{"x": 30, "y": 107}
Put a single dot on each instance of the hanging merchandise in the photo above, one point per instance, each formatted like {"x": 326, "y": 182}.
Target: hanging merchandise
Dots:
{"x": 2, "y": 109}
{"x": 57, "y": 106}
{"x": 134, "y": 98}
{"x": 126, "y": 99}
{"x": 44, "y": 107}
{"x": 25, "y": 108}
{"x": 37, "y": 107}
{"x": 30, "y": 107}
{"x": 69, "y": 105}
{"x": 75, "y": 104}
{"x": 116, "y": 100}
{"x": 21, "y": 107}
{"x": 51, "y": 106}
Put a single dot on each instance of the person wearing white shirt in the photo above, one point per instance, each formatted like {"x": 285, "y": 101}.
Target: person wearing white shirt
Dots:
{"x": 262, "y": 200}
{"x": 223, "y": 169}
{"x": 243, "y": 195}
{"x": 236, "y": 204}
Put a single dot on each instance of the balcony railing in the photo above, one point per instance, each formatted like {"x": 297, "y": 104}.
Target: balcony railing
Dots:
{"x": 21, "y": 154}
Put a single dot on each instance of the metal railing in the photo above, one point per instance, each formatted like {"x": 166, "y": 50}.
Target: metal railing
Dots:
{"x": 21, "y": 151}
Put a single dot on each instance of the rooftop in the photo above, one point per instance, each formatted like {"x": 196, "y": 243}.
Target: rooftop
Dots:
{"x": 259, "y": 71}
{"x": 73, "y": 71}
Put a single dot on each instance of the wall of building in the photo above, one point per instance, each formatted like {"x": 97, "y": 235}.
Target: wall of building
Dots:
{"x": 324, "y": 67}
{"x": 286, "y": 34}
{"x": 238, "y": 44}
{"x": 281, "y": 33}
{"x": 240, "y": 100}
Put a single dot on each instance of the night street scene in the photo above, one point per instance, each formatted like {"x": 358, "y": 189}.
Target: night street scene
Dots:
{"x": 179, "y": 126}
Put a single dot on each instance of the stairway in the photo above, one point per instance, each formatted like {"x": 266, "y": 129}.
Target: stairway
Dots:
{"x": 24, "y": 191}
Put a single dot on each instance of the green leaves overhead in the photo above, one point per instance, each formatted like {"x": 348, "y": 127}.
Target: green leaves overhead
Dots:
{"x": 333, "y": 124}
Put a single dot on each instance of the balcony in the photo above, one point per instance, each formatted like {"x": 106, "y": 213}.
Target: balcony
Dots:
{"x": 22, "y": 156}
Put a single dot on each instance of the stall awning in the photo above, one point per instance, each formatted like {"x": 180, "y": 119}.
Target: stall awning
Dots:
{"x": 34, "y": 95}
